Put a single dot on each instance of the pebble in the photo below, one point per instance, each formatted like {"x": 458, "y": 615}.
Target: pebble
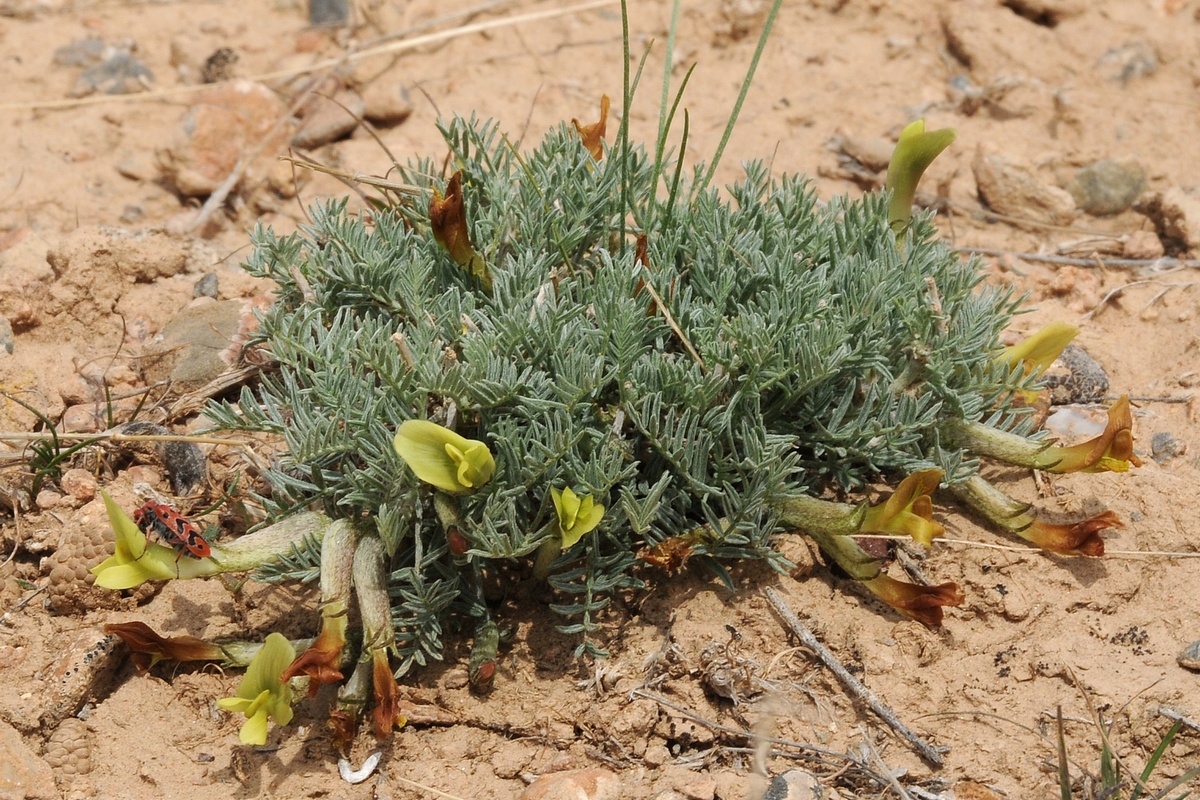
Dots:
{"x": 138, "y": 166}
{"x": 1108, "y": 187}
{"x": 219, "y": 65}
{"x": 873, "y": 152}
{"x": 1164, "y": 446}
{"x": 119, "y": 74}
{"x": 1075, "y": 377}
{"x": 48, "y": 499}
{"x": 1142, "y": 244}
{"x": 222, "y": 124}
{"x": 195, "y": 346}
{"x": 1176, "y": 213}
{"x": 6, "y": 335}
{"x": 576, "y": 784}
{"x": 1014, "y": 190}
{"x": 386, "y": 104}
{"x": 207, "y": 286}
{"x": 1129, "y": 61}
{"x": 1189, "y": 657}
{"x": 328, "y": 120}
{"x": 22, "y": 773}
{"x": 81, "y": 53}
{"x": 79, "y": 483}
{"x": 795, "y": 784}
{"x": 328, "y": 12}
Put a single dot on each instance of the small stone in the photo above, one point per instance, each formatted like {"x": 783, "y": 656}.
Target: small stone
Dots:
{"x": 120, "y": 73}
{"x": 1108, "y": 187}
{"x": 873, "y": 152}
{"x": 48, "y": 499}
{"x": 455, "y": 679}
{"x": 223, "y": 124}
{"x": 1129, "y": 61}
{"x": 81, "y": 419}
{"x": 1143, "y": 245}
{"x": 795, "y": 784}
{"x": 22, "y": 773}
{"x": 207, "y": 286}
{"x": 198, "y": 344}
{"x": 218, "y": 66}
{"x": 510, "y": 759}
{"x": 1013, "y": 190}
{"x": 696, "y": 785}
{"x": 1075, "y": 423}
{"x": 1075, "y": 377}
{"x": 1164, "y": 446}
{"x": 386, "y": 104}
{"x": 576, "y": 784}
{"x": 79, "y": 483}
{"x": 138, "y": 166}
{"x": 328, "y": 12}
{"x": 328, "y": 120}
{"x": 1189, "y": 657}
{"x": 656, "y": 755}
{"x": 6, "y": 336}
{"x": 1176, "y": 213}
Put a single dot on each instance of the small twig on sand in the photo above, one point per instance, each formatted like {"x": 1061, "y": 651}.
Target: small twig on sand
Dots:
{"x": 851, "y": 683}
{"x": 1072, "y": 261}
{"x": 885, "y": 770}
{"x": 1175, "y": 715}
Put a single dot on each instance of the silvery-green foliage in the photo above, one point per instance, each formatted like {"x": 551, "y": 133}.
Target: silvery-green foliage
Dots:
{"x": 820, "y": 353}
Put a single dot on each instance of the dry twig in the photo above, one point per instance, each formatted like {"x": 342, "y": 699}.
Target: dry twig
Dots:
{"x": 1072, "y": 261}
{"x": 851, "y": 683}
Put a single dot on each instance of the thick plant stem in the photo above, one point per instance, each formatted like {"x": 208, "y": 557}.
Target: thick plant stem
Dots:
{"x": 1072, "y": 537}
{"x": 322, "y": 662}
{"x": 823, "y": 516}
{"x": 986, "y": 441}
{"x": 379, "y": 635}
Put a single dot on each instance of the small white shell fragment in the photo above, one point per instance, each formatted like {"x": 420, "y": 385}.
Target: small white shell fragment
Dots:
{"x": 362, "y": 773}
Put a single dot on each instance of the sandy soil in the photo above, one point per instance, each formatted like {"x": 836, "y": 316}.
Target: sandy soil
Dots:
{"x": 1050, "y": 85}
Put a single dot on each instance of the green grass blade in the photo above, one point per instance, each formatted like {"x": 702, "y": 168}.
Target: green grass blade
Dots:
{"x": 737, "y": 106}
{"x": 1064, "y": 773}
{"x": 1154, "y": 759}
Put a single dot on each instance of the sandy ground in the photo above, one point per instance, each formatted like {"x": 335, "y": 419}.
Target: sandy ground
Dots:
{"x": 1050, "y": 85}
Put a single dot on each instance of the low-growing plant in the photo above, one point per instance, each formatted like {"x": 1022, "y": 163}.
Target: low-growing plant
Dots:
{"x": 585, "y": 363}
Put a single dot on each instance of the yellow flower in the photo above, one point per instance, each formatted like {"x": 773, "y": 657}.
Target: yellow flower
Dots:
{"x": 444, "y": 459}
{"x": 262, "y": 694}
{"x": 576, "y": 515}
{"x": 1038, "y": 351}
{"x": 1111, "y": 451}
{"x": 915, "y": 150}
{"x": 135, "y": 560}
{"x": 909, "y": 510}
